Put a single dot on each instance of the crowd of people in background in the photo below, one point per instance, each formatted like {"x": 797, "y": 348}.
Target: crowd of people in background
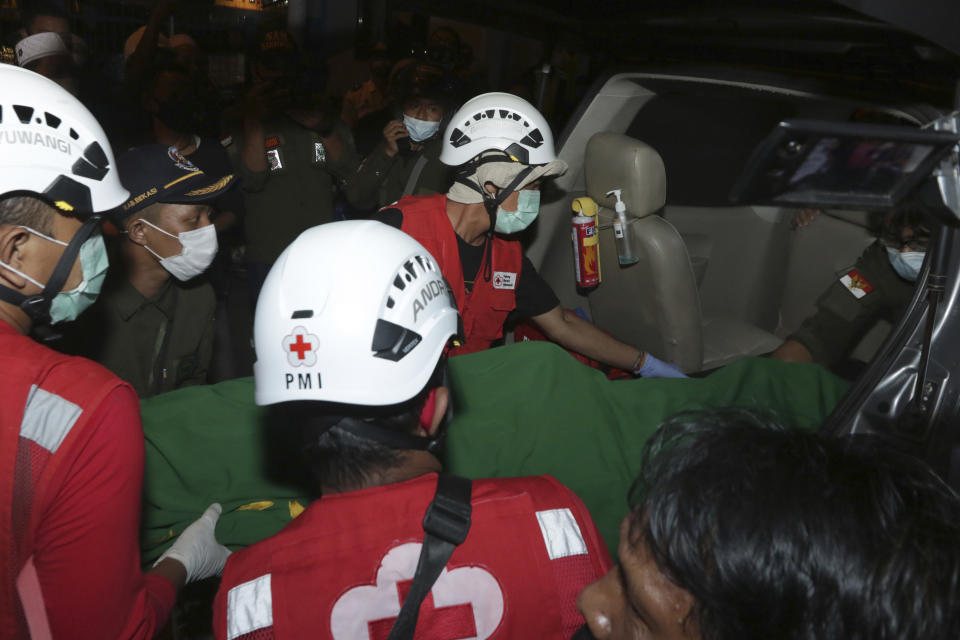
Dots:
{"x": 301, "y": 157}
{"x": 212, "y": 202}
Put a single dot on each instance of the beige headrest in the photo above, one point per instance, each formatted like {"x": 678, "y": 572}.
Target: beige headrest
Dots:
{"x": 615, "y": 161}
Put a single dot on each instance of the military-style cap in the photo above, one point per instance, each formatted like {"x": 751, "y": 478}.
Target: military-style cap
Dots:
{"x": 159, "y": 173}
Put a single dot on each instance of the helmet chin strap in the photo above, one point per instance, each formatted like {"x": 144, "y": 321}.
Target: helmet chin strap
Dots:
{"x": 492, "y": 203}
{"x": 37, "y": 306}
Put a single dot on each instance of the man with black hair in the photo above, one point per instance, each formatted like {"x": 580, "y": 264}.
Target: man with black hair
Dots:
{"x": 154, "y": 324}
{"x": 70, "y": 438}
{"x": 744, "y": 529}
{"x": 878, "y": 286}
{"x": 407, "y": 160}
{"x": 501, "y": 150}
{"x": 350, "y": 332}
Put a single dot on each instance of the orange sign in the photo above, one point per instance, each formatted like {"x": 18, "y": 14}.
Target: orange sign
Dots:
{"x": 249, "y": 5}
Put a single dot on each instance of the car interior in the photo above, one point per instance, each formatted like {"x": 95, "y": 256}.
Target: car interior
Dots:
{"x": 715, "y": 281}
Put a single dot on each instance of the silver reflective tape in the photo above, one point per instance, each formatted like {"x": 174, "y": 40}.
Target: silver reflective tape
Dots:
{"x": 561, "y": 534}
{"x": 48, "y": 418}
{"x": 249, "y": 607}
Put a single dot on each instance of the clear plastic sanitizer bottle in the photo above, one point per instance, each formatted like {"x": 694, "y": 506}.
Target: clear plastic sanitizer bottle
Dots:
{"x": 625, "y": 253}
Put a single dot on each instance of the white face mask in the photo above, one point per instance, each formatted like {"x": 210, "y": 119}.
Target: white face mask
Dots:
{"x": 420, "y": 130}
{"x": 199, "y": 249}
{"x": 907, "y": 264}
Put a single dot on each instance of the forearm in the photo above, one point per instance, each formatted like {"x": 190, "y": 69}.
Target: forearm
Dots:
{"x": 254, "y": 146}
{"x": 171, "y": 570}
{"x": 792, "y": 351}
{"x": 362, "y": 187}
{"x": 576, "y": 334}
{"x": 142, "y": 57}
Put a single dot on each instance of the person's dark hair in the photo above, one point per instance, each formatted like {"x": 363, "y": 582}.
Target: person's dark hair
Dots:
{"x": 783, "y": 533}
{"x": 33, "y": 9}
{"x": 340, "y": 460}
{"x": 911, "y": 214}
{"x": 28, "y": 212}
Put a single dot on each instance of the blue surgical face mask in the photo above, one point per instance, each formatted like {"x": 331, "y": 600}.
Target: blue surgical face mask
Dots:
{"x": 528, "y": 206}
{"x": 907, "y": 264}
{"x": 420, "y": 130}
{"x": 68, "y": 305}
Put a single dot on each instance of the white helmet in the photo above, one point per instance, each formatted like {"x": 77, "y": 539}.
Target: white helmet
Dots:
{"x": 51, "y": 146}
{"x": 499, "y": 121}
{"x": 352, "y": 312}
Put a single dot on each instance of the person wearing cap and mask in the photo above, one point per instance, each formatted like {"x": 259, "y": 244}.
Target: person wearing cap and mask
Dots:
{"x": 353, "y": 367}
{"x": 154, "y": 324}
{"x": 878, "y": 286}
{"x": 289, "y": 153}
{"x": 407, "y": 160}
{"x": 501, "y": 149}
{"x": 70, "y": 433}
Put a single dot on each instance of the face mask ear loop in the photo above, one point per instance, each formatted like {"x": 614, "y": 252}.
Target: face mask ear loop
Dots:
{"x": 493, "y": 204}
{"x": 38, "y": 306}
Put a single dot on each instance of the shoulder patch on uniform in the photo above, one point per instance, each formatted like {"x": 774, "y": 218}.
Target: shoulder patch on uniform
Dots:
{"x": 855, "y": 283}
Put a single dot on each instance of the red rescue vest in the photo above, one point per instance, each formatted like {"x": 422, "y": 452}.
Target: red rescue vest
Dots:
{"x": 46, "y": 400}
{"x": 342, "y": 568}
{"x": 485, "y": 309}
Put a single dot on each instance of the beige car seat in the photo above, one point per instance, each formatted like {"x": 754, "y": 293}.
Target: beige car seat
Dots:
{"x": 654, "y": 304}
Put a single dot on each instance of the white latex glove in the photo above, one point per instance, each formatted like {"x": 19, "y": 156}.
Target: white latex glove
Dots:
{"x": 197, "y": 549}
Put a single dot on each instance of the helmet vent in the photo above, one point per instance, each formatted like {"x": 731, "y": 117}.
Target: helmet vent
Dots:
{"x": 52, "y": 120}
{"x": 23, "y": 112}
{"x": 74, "y": 134}
{"x": 458, "y": 138}
{"x": 302, "y": 313}
{"x": 93, "y": 165}
{"x": 393, "y": 342}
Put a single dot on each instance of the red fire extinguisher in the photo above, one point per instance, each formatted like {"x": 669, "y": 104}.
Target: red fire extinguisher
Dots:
{"x": 586, "y": 243}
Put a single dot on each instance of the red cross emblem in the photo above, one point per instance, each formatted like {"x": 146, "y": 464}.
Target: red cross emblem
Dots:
{"x": 457, "y": 620}
{"x": 300, "y": 347}
{"x": 464, "y": 602}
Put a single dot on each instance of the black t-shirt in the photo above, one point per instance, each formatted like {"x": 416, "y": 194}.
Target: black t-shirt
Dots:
{"x": 534, "y": 296}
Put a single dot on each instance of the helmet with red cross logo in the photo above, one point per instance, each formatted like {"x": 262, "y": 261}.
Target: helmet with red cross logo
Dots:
{"x": 352, "y": 312}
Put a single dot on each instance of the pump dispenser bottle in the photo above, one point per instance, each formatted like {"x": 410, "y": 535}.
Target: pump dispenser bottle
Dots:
{"x": 625, "y": 253}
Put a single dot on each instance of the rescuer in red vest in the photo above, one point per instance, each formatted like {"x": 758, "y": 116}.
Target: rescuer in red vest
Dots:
{"x": 350, "y": 332}
{"x": 502, "y": 149}
{"x": 71, "y": 445}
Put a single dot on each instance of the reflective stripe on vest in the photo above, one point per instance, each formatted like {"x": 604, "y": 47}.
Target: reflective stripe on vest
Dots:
{"x": 48, "y": 418}
{"x": 249, "y": 607}
{"x": 561, "y": 533}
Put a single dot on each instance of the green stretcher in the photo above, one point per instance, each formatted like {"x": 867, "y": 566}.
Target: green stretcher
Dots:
{"x": 523, "y": 409}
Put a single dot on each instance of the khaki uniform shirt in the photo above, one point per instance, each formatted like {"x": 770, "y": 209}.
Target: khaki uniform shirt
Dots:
{"x": 295, "y": 192}
{"x": 156, "y": 345}
{"x": 869, "y": 291}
